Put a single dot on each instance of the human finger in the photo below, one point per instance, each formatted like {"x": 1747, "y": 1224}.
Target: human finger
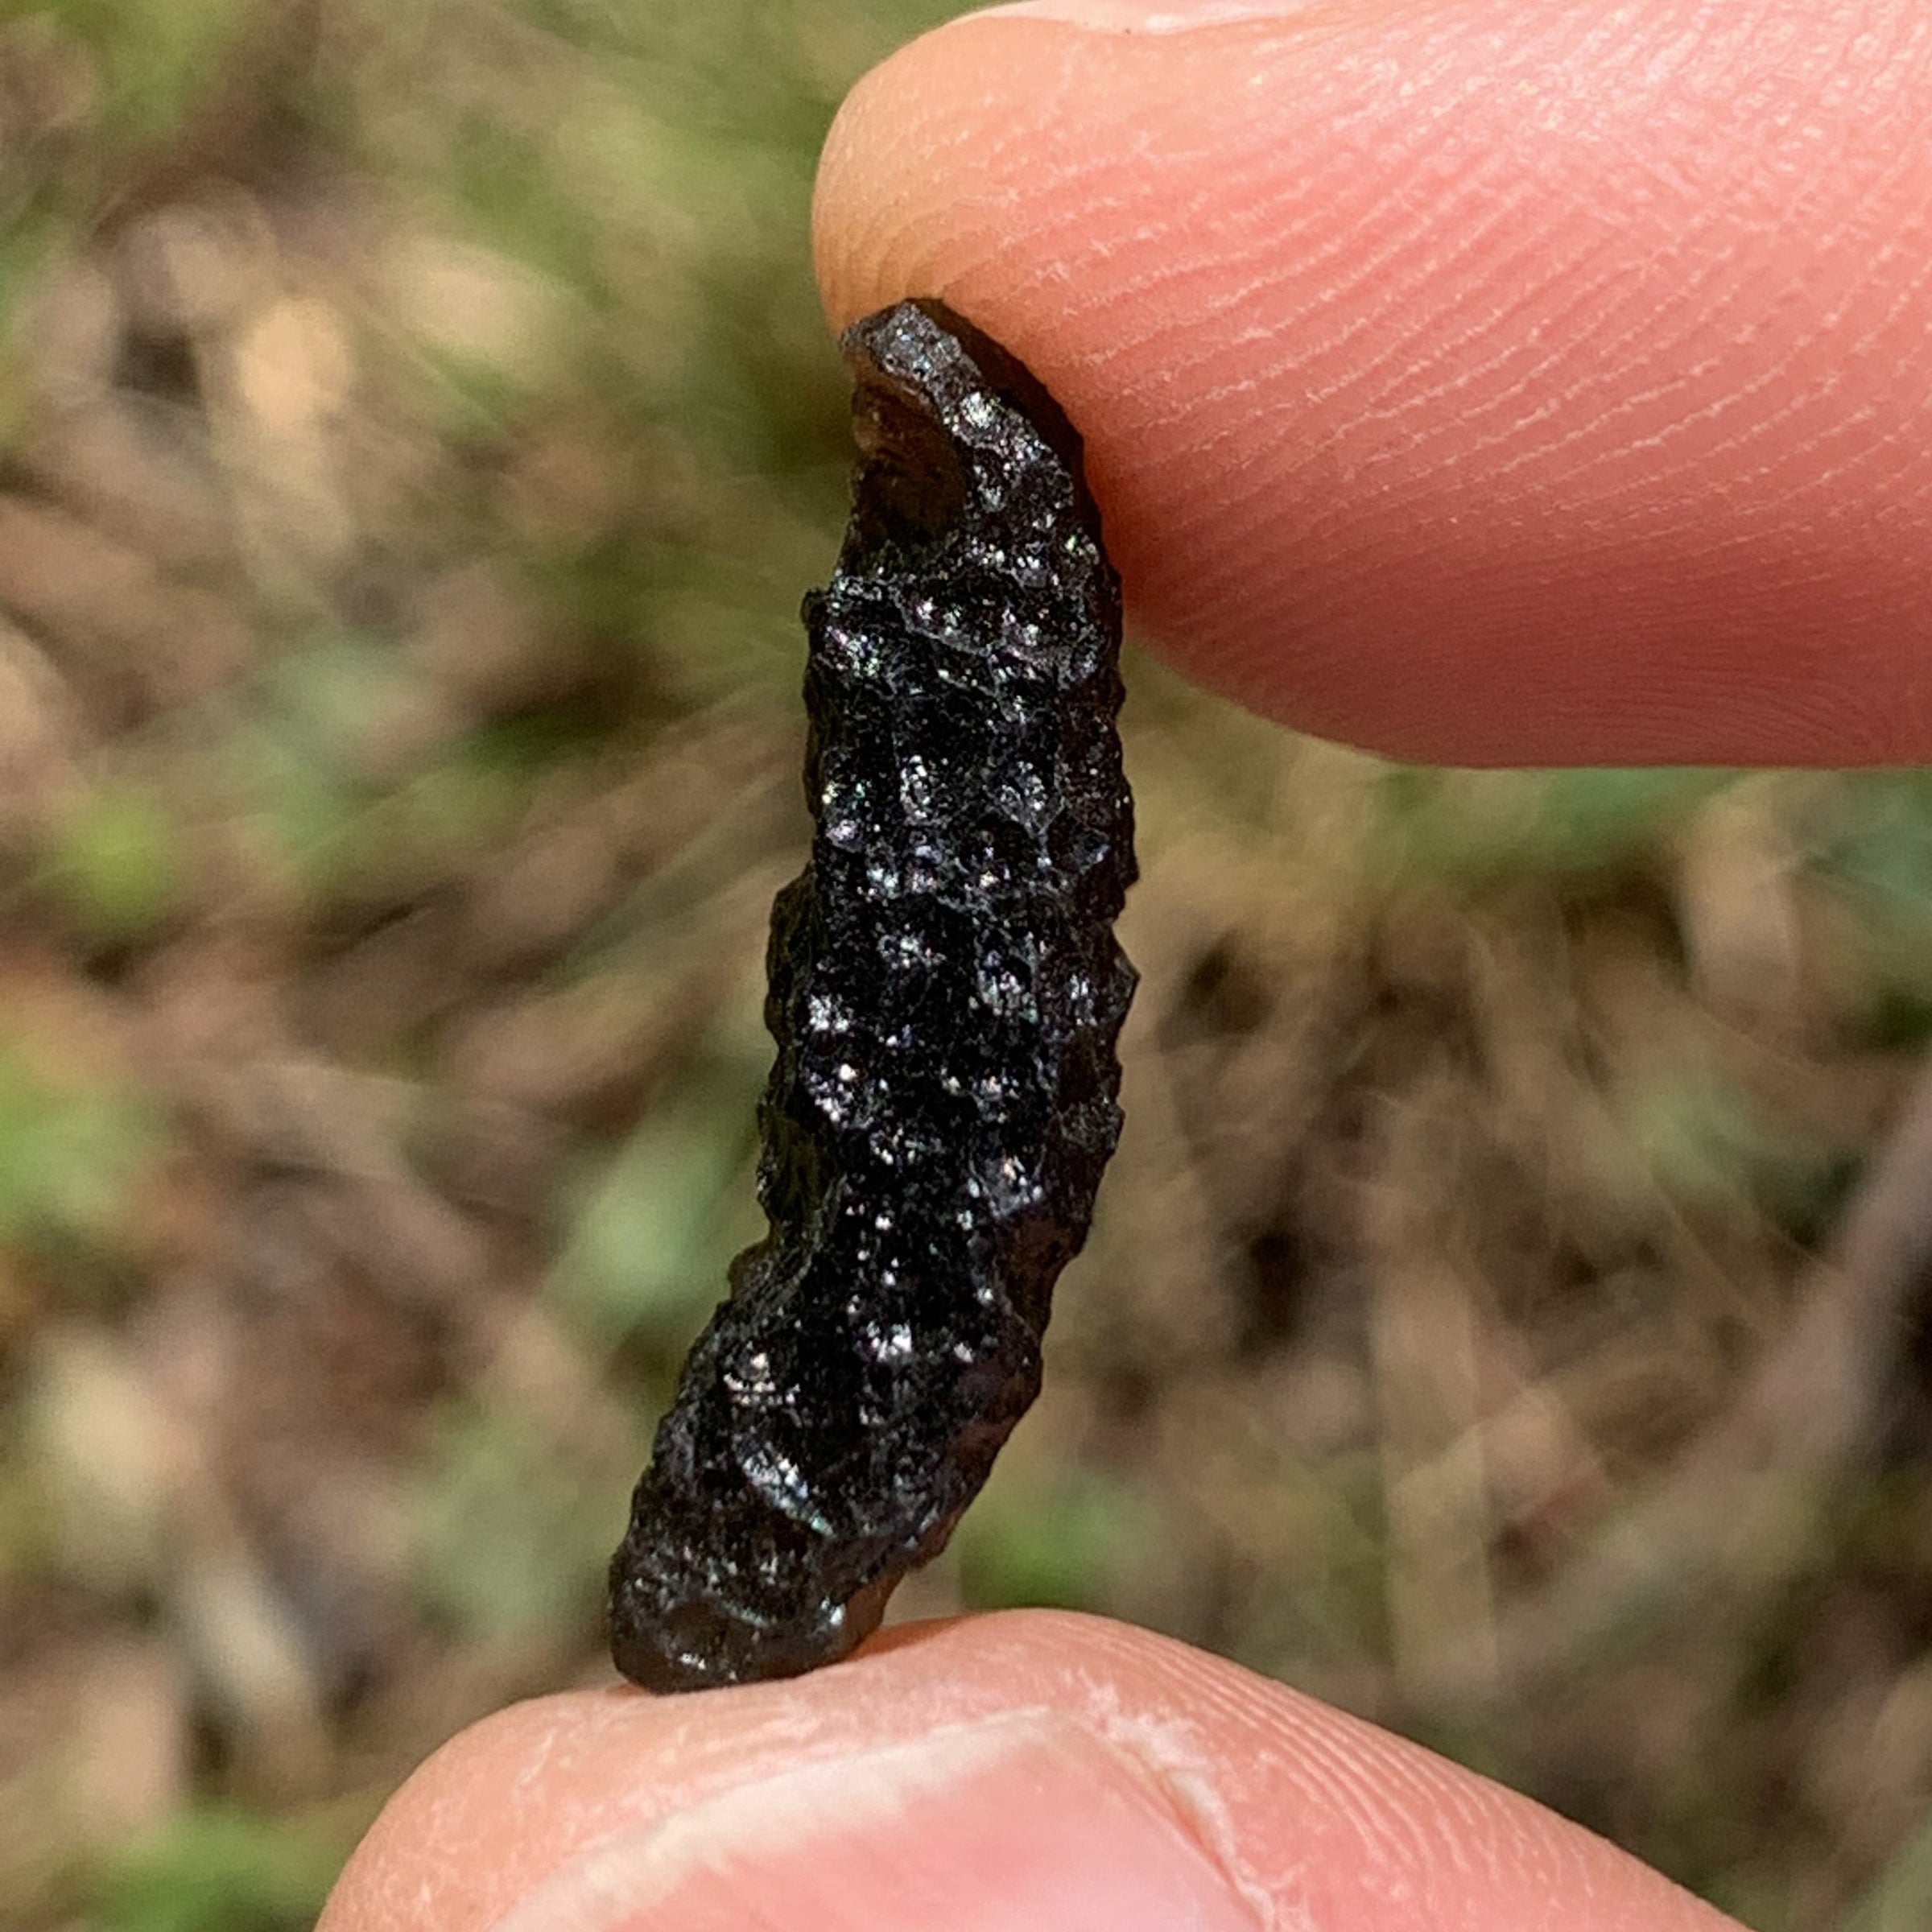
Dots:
{"x": 1036, "y": 1769}
{"x": 1477, "y": 381}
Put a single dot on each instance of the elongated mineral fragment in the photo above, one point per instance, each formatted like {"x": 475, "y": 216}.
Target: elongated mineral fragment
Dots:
{"x": 946, "y": 992}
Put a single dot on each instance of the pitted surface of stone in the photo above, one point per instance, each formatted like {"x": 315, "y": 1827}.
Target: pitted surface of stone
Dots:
{"x": 946, "y": 993}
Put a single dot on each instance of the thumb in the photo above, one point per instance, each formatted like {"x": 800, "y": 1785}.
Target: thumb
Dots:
{"x": 1029, "y": 1769}
{"x": 1478, "y": 382}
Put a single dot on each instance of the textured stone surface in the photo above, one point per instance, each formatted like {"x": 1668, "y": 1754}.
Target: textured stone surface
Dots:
{"x": 946, "y": 992}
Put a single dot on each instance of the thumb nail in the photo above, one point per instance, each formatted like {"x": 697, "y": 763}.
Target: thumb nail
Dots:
{"x": 1028, "y": 1821}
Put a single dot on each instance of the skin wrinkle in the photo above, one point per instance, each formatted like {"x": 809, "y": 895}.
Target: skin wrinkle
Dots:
{"x": 1379, "y": 1791}
{"x": 1865, "y": 460}
{"x": 1313, "y": 354}
{"x": 1601, "y": 357}
{"x": 1809, "y": 479}
{"x": 1527, "y": 459}
{"x": 1381, "y": 285}
{"x": 1396, "y": 413}
{"x": 1386, "y": 1775}
{"x": 1390, "y": 402}
{"x": 1393, "y": 356}
{"x": 1375, "y": 1807}
{"x": 1673, "y": 423}
{"x": 1173, "y": 1754}
{"x": 1554, "y": 334}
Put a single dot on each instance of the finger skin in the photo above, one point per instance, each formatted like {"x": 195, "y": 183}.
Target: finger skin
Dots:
{"x": 1326, "y": 1822}
{"x": 1478, "y": 382}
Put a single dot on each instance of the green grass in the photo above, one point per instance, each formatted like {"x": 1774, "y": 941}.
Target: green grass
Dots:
{"x": 219, "y": 1868}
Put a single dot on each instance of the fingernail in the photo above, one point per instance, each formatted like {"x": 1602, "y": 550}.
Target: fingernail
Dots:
{"x": 1029, "y": 1821}
{"x": 1146, "y": 16}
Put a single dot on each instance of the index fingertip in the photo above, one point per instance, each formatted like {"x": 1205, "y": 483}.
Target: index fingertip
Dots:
{"x": 1477, "y": 384}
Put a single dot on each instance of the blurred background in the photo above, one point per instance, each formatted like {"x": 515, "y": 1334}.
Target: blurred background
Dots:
{"x": 1510, "y": 1314}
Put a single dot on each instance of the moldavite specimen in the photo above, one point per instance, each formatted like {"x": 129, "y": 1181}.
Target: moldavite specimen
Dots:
{"x": 945, "y": 992}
